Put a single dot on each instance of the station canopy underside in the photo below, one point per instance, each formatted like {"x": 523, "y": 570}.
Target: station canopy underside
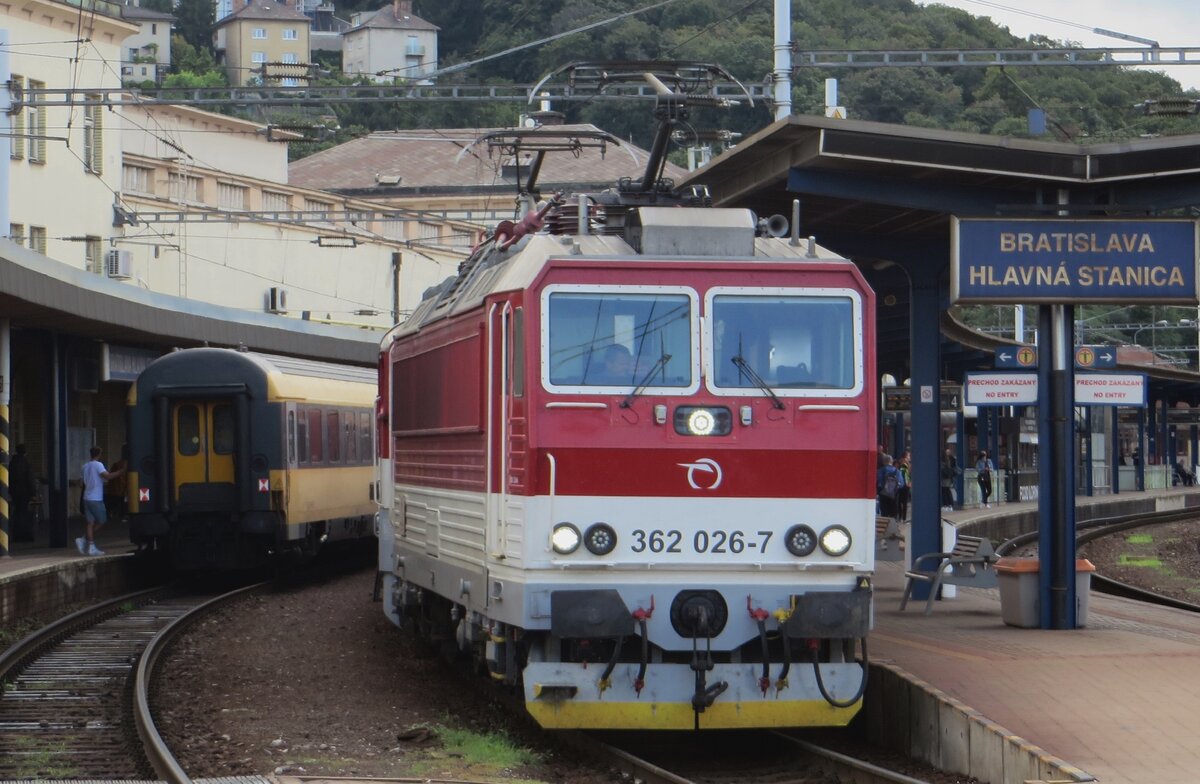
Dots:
{"x": 40, "y": 293}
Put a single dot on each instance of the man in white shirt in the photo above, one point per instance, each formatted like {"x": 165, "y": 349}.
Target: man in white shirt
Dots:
{"x": 94, "y": 477}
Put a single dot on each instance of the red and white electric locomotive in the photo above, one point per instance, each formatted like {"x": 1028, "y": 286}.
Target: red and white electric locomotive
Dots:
{"x": 628, "y": 463}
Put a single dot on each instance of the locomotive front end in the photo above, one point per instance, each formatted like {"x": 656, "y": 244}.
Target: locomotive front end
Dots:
{"x": 695, "y": 539}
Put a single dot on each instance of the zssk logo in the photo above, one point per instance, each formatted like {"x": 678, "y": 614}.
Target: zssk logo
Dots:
{"x": 704, "y": 474}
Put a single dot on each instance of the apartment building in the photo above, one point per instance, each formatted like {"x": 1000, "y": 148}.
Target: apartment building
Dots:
{"x": 264, "y": 42}
{"x": 146, "y": 55}
{"x": 390, "y": 43}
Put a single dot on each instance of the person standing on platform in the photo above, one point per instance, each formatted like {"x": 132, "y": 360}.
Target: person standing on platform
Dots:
{"x": 888, "y": 481}
{"x": 905, "y": 467}
{"x": 983, "y": 475}
{"x": 94, "y": 477}
{"x": 114, "y": 489}
{"x": 949, "y": 470}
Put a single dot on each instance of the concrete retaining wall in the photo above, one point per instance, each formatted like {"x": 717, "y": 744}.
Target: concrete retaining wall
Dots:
{"x": 903, "y": 713}
{"x": 47, "y": 589}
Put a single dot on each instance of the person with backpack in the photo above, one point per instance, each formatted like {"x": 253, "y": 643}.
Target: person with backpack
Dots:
{"x": 983, "y": 475}
{"x": 949, "y": 470}
{"x": 905, "y": 467}
{"x": 888, "y": 481}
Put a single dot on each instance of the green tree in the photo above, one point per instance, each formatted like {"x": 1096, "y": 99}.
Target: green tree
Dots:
{"x": 194, "y": 21}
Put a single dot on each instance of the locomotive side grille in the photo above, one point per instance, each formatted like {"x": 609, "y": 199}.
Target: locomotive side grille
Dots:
{"x": 607, "y": 220}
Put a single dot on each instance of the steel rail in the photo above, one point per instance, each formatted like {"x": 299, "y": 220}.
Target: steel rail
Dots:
{"x": 1103, "y": 526}
{"x": 29, "y": 645}
{"x": 161, "y": 759}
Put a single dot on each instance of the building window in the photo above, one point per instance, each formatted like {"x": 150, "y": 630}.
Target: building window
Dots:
{"x": 36, "y": 122}
{"x": 231, "y": 196}
{"x": 93, "y": 137}
{"x": 184, "y": 187}
{"x": 274, "y": 201}
{"x": 17, "y": 150}
{"x": 93, "y": 255}
{"x": 290, "y": 34}
{"x": 258, "y": 57}
{"x": 37, "y": 239}
{"x": 153, "y": 29}
{"x": 259, "y": 33}
{"x": 291, "y": 57}
{"x": 16, "y": 233}
{"x": 137, "y": 179}
{"x": 288, "y": 81}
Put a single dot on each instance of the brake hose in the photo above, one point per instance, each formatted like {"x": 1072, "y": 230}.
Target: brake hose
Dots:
{"x": 813, "y": 645}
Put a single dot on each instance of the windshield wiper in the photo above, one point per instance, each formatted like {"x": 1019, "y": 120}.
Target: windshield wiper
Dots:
{"x": 661, "y": 363}
{"x": 744, "y": 367}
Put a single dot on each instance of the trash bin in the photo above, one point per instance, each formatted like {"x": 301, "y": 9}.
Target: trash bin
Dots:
{"x": 1020, "y": 603}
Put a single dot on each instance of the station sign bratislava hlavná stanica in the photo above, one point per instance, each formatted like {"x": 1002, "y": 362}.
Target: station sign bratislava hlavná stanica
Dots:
{"x": 1067, "y": 261}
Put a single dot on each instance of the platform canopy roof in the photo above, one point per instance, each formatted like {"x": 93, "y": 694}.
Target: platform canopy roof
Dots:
{"x": 880, "y": 193}
{"x": 865, "y": 184}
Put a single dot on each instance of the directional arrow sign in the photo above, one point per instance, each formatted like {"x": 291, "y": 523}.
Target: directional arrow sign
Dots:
{"x": 1093, "y": 357}
{"x": 1016, "y": 357}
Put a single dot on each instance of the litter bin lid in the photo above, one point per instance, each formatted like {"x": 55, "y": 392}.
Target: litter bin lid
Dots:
{"x": 1013, "y": 565}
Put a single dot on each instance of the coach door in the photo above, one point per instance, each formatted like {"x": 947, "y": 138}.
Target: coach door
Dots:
{"x": 203, "y": 451}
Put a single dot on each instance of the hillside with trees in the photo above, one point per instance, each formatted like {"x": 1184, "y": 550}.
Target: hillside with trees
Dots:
{"x": 1082, "y": 104}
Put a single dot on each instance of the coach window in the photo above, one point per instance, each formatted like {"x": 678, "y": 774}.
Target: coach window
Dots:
{"x": 350, "y": 438}
{"x": 518, "y": 353}
{"x": 302, "y": 438}
{"x": 624, "y": 339}
{"x": 188, "y": 430}
{"x": 364, "y": 436}
{"x": 802, "y": 344}
{"x": 315, "y": 452}
{"x": 291, "y": 437}
{"x": 223, "y": 439}
{"x": 335, "y": 437}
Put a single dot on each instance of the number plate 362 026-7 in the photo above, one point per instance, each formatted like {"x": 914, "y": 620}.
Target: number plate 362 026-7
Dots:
{"x": 717, "y": 541}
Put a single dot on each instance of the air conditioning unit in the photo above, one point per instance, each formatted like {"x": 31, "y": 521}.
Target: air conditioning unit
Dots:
{"x": 276, "y": 300}
{"x": 119, "y": 264}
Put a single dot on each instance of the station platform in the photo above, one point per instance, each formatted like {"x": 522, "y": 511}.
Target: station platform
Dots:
{"x": 1114, "y": 702}
{"x": 112, "y": 538}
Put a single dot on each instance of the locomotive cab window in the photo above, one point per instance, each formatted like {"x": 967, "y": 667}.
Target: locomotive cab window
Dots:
{"x": 619, "y": 338}
{"x": 796, "y": 343}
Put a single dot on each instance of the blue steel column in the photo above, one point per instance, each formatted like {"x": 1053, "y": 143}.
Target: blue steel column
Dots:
{"x": 1195, "y": 443}
{"x": 1165, "y": 449}
{"x": 1089, "y": 481}
{"x": 1115, "y": 451}
{"x": 1140, "y": 462}
{"x": 960, "y": 454}
{"x": 1152, "y": 431}
{"x": 56, "y": 463}
{"x": 1056, "y": 468}
{"x": 925, "y": 341}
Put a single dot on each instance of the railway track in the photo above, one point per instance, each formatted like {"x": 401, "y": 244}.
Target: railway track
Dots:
{"x": 1091, "y": 530}
{"x": 75, "y": 693}
{"x": 768, "y": 757}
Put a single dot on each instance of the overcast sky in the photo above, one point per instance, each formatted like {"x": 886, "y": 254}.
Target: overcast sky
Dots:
{"x": 1170, "y": 22}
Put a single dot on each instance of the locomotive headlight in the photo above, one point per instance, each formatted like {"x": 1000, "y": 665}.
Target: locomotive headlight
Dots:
{"x": 703, "y": 421}
{"x": 835, "y": 540}
{"x": 565, "y": 538}
{"x": 800, "y": 540}
{"x": 600, "y": 539}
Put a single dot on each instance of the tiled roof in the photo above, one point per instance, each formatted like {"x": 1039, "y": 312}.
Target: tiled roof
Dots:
{"x": 136, "y": 12}
{"x": 386, "y": 17}
{"x": 263, "y": 9}
{"x": 429, "y": 160}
